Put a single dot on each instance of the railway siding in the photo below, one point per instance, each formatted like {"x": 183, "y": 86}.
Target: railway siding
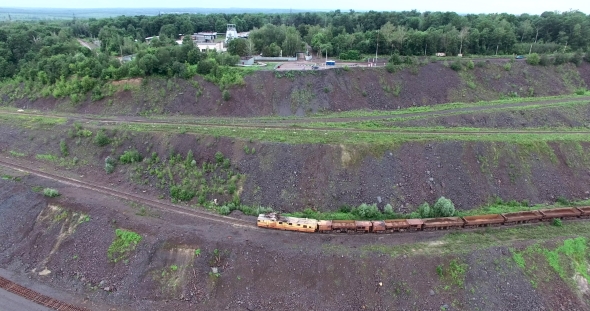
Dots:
{"x": 37, "y": 297}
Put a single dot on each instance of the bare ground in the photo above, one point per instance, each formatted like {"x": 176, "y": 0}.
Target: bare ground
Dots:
{"x": 257, "y": 267}
{"x": 307, "y": 92}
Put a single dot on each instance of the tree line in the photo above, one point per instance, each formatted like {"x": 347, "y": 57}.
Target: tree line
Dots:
{"x": 406, "y": 33}
{"x": 47, "y": 53}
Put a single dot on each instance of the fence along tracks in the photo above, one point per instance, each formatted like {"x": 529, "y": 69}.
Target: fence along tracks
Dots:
{"x": 38, "y": 298}
{"x": 132, "y": 197}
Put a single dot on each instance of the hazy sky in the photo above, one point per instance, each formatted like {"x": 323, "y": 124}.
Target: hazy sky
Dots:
{"x": 472, "y": 6}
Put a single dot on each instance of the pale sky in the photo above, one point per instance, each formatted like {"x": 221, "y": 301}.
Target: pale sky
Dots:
{"x": 472, "y": 6}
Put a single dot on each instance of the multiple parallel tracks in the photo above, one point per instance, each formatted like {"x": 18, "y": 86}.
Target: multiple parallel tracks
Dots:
{"x": 38, "y": 298}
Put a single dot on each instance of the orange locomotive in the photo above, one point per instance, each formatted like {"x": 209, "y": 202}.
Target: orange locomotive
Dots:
{"x": 277, "y": 221}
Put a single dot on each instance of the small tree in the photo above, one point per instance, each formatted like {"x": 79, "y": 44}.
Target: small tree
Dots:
{"x": 457, "y": 65}
{"x": 101, "y": 139}
{"x": 130, "y": 156}
{"x": 388, "y": 209}
{"x": 443, "y": 208}
{"x": 64, "y": 148}
{"x": 226, "y": 95}
{"x": 424, "y": 210}
{"x": 109, "y": 164}
{"x": 366, "y": 211}
{"x": 533, "y": 59}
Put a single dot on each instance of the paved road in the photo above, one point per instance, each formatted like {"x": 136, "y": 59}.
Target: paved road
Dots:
{"x": 12, "y": 302}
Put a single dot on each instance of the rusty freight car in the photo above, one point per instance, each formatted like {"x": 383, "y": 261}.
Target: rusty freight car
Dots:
{"x": 561, "y": 213}
{"x": 522, "y": 217}
{"x": 443, "y": 223}
{"x": 390, "y": 225}
{"x": 585, "y": 210}
{"x": 347, "y": 226}
{"x": 483, "y": 220}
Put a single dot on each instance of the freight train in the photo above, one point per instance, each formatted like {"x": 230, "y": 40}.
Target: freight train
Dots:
{"x": 277, "y": 221}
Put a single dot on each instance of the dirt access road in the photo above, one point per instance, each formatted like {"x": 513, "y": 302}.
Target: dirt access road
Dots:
{"x": 287, "y": 123}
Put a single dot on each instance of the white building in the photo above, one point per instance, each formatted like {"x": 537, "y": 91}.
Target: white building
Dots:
{"x": 232, "y": 33}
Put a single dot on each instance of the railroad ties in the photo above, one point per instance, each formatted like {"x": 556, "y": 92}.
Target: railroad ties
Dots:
{"x": 38, "y": 298}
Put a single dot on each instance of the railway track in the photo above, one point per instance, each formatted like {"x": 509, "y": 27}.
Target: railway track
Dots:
{"x": 36, "y": 297}
{"x": 132, "y": 197}
{"x": 291, "y": 124}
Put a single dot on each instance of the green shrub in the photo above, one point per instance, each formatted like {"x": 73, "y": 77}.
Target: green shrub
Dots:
{"x": 507, "y": 66}
{"x": 443, "y": 208}
{"x": 204, "y": 67}
{"x": 561, "y": 58}
{"x": 350, "y": 55}
{"x": 395, "y": 59}
{"x": 219, "y": 157}
{"x": 130, "y": 156}
{"x": 63, "y": 147}
{"x": 424, "y": 210}
{"x": 109, "y": 164}
{"x": 124, "y": 242}
{"x": 563, "y": 201}
{"x": 577, "y": 58}
{"x": 580, "y": 91}
{"x": 457, "y": 65}
{"x": 366, "y": 211}
{"x": 101, "y": 139}
{"x": 533, "y": 59}
{"x": 182, "y": 193}
{"x": 482, "y": 64}
{"x": 391, "y": 68}
{"x": 556, "y": 222}
{"x": 50, "y": 192}
{"x": 545, "y": 60}
{"x": 224, "y": 210}
{"x": 226, "y": 95}
{"x": 388, "y": 209}
{"x": 470, "y": 64}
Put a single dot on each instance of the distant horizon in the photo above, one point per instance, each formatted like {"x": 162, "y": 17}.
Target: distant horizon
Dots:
{"x": 511, "y": 7}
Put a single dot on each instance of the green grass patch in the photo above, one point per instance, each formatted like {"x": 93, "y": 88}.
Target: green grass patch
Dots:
{"x": 50, "y": 192}
{"x": 125, "y": 242}
{"x": 47, "y": 157}
{"x": 17, "y": 154}
{"x": 440, "y": 107}
{"x": 566, "y": 259}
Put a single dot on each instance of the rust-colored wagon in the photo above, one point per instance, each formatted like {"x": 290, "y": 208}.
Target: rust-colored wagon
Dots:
{"x": 363, "y": 226}
{"x": 344, "y": 226}
{"x": 415, "y": 224}
{"x": 585, "y": 210}
{"x": 324, "y": 226}
{"x": 276, "y": 221}
{"x": 400, "y": 225}
{"x": 561, "y": 213}
{"x": 522, "y": 217}
{"x": 483, "y": 220}
{"x": 378, "y": 226}
{"x": 443, "y": 223}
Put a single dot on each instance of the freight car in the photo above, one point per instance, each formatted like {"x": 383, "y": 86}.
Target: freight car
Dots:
{"x": 277, "y": 221}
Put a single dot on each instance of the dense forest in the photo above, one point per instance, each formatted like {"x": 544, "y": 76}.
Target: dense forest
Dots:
{"x": 44, "y": 53}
